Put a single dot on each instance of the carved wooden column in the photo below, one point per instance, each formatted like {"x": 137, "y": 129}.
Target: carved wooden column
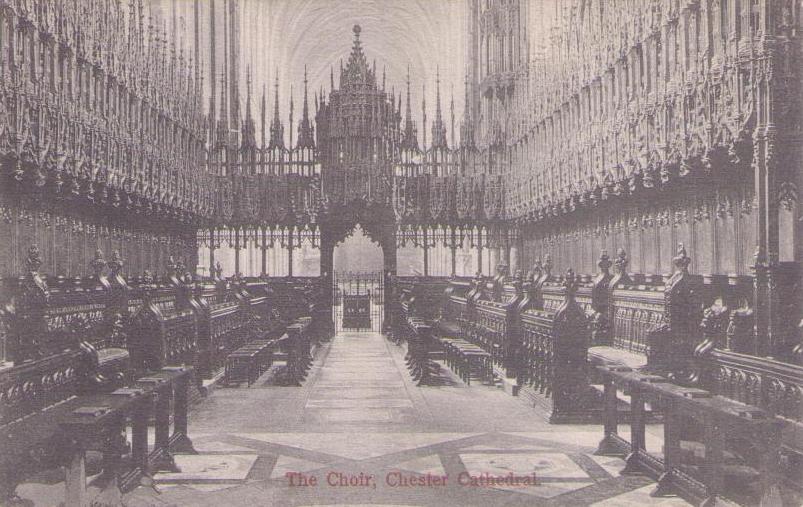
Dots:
{"x": 236, "y": 251}
{"x": 264, "y": 248}
{"x": 453, "y": 250}
{"x": 426, "y": 250}
{"x": 290, "y": 248}
{"x": 328, "y": 242}
{"x": 212, "y": 246}
{"x": 765, "y": 169}
{"x": 389, "y": 269}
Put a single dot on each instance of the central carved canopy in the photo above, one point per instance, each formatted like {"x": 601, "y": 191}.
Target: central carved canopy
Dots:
{"x": 358, "y": 153}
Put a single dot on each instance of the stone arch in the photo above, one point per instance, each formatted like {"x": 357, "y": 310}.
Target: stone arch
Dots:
{"x": 378, "y": 221}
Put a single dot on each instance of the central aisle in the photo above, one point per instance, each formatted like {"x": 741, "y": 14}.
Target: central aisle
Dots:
{"x": 364, "y": 432}
{"x": 359, "y": 384}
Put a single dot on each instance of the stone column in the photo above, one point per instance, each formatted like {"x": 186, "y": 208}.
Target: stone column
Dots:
{"x": 389, "y": 269}
{"x": 212, "y": 253}
{"x": 264, "y": 248}
{"x": 236, "y": 251}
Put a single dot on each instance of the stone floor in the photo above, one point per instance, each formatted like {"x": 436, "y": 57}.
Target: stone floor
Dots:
{"x": 359, "y": 432}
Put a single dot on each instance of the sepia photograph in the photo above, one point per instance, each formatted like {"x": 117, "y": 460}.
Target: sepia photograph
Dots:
{"x": 401, "y": 253}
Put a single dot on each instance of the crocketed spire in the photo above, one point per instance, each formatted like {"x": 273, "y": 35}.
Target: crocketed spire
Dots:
{"x": 306, "y": 132}
{"x": 249, "y": 131}
{"x": 467, "y": 126}
{"x": 438, "y": 128}
{"x": 357, "y": 73}
{"x": 410, "y": 136}
{"x": 276, "y": 126}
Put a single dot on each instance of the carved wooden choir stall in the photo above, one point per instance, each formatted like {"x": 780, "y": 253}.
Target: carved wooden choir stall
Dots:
{"x": 666, "y": 132}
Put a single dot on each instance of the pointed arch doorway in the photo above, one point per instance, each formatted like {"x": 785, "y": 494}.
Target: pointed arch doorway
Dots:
{"x": 358, "y": 284}
{"x": 364, "y": 232}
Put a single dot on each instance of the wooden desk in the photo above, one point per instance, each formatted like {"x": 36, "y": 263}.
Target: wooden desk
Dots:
{"x": 97, "y": 422}
{"x": 720, "y": 418}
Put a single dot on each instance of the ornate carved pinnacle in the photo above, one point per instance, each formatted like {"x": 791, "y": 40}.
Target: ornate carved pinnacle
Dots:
{"x": 621, "y": 262}
{"x": 33, "y": 262}
{"x": 147, "y": 277}
{"x": 536, "y": 271}
{"x": 116, "y": 263}
{"x": 570, "y": 283}
{"x": 604, "y": 262}
{"x": 218, "y": 270}
{"x": 98, "y": 263}
{"x": 681, "y": 260}
{"x": 548, "y": 264}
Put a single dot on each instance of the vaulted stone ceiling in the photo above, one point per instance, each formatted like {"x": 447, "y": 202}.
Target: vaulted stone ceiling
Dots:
{"x": 286, "y": 34}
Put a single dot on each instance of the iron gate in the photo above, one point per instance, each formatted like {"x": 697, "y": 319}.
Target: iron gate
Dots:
{"x": 358, "y": 301}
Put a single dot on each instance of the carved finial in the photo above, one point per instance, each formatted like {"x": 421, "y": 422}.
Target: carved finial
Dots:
{"x": 147, "y": 277}
{"x": 98, "y": 263}
{"x": 171, "y": 265}
{"x": 681, "y": 260}
{"x": 604, "y": 262}
{"x": 537, "y": 269}
{"x": 33, "y": 262}
{"x": 548, "y": 264}
{"x": 621, "y": 261}
{"x": 570, "y": 283}
{"x": 116, "y": 263}
{"x": 218, "y": 270}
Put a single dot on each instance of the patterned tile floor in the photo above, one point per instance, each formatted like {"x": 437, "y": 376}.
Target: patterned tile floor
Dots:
{"x": 360, "y": 433}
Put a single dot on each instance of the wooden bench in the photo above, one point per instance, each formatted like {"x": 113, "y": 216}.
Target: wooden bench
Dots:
{"x": 418, "y": 335}
{"x": 467, "y": 360}
{"x": 249, "y": 362}
{"x": 295, "y": 348}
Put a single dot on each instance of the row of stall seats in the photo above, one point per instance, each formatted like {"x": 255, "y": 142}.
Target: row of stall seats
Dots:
{"x": 617, "y": 347}
{"x": 88, "y": 357}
